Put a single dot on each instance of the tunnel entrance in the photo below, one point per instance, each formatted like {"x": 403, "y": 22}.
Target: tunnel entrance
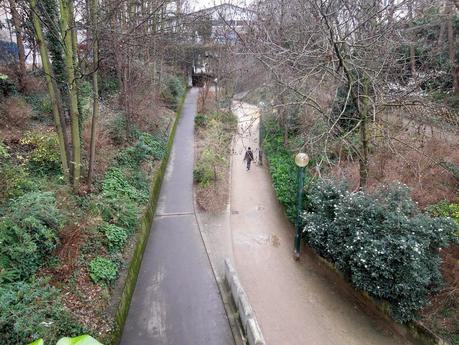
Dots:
{"x": 199, "y": 80}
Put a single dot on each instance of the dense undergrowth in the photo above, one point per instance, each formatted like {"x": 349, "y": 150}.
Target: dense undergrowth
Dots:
{"x": 382, "y": 243}
{"x": 55, "y": 244}
{"x": 283, "y": 169}
{"x": 214, "y": 130}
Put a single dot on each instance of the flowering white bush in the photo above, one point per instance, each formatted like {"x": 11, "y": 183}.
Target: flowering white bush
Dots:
{"x": 380, "y": 242}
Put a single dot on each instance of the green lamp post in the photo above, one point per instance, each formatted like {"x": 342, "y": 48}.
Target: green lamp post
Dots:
{"x": 301, "y": 160}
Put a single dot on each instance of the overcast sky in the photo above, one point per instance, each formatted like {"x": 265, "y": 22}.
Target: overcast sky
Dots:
{"x": 200, "y": 4}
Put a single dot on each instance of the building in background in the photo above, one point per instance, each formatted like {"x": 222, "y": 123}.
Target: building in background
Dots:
{"x": 8, "y": 46}
{"x": 221, "y": 24}
{"x": 211, "y": 29}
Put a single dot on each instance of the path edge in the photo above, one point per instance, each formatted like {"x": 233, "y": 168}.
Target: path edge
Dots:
{"x": 143, "y": 233}
{"x": 230, "y": 308}
{"x": 247, "y": 316}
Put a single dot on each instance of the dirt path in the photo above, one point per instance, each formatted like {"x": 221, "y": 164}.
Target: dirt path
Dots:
{"x": 294, "y": 303}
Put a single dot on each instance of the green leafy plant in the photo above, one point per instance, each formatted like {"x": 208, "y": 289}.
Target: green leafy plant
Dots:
{"x": 204, "y": 173}
{"x": 217, "y": 133}
{"x": 147, "y": 146}
{"x": 103, "y": 270}
{"x": 29, "y": 310}
{"x": 108, "y": 85}
{"x": 80, "y": 340}
{"x": 14, "y": 181}
{"x": 44, "y": 158}
{"x": 174, "y": 90}
{"x": 41, "y": 105}
{"x": 3, "y": 151}
{"x": 283, "y": 171}
{"x": 116, "y": 186}
{"x": 7, "y": 86}
{"x": 382, "y": 244}
{"x": 200, "y": 120}
{"x": 117, "y": 129}
{"x": 37, "y": 342}
{"x": 449, "y": 210}
{"x": 121, "y": 212}
{"x": 115, "y": 235}
{"x": 445, "y": 209}
{"x": 28, "y": 233}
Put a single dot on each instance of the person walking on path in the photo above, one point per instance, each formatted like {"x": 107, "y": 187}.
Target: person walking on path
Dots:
{"x": 296, "y": 303}
{"x": 248, "y": 157}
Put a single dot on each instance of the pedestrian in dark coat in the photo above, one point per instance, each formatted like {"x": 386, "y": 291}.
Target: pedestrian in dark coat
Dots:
{"x": 248, "y": 157}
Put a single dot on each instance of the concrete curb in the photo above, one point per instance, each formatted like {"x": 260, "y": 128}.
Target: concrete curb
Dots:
{"x": 246, "y": 314}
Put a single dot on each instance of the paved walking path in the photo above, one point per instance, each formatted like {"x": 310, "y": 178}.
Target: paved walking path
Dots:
{"x": 176, "y": 300}
{"x": 294, "y": 303}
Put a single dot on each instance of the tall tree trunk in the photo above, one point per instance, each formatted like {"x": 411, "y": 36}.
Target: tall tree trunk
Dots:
{"x": 452, "y": 51}
{"x": 50, "y": 17}
{"x": 20, "y": 43}
{"x": 73, "y": 97}
{"x": 73, "y": 31}
{"x": 53, "y": 90}
{"x": 95, "y": 87}
{"x": 363, "y": 109}
{"x": 412, "y": 44}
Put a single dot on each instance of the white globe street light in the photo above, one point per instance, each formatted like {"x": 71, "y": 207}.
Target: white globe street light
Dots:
{"x": 301, "y": 160}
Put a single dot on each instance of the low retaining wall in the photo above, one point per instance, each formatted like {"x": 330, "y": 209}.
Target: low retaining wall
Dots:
{"x": 246, "y": 314}
{"x": 142, "y": 236}
{"x": 413, "y": 330}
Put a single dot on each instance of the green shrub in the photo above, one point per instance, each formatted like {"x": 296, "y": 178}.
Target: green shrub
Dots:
{"x": 115, "y": 235}
{"x": 283, "y": 172}
{"x": 219, "y": 126}
{"x": 204, "y": 173}
{"x": 28, "y": 233}
{"x": 448, "y": 210}
{"x": 117, "y": 129}
{"x": 380, "y": 242}
{"x": 103, "y": 270}
{"x": 30, "y": 310}
{"x": 200, "y": 120}
{"x": 108, "y": 85}
{"x": 14, "y": 181}
{"x": 45, "y": 157}
{"x": 147, "y": 146}
{"x": 7, "y": 86}
{"x": 85, "y": 90}
{"x": 155, "y": 145}
{"x": 174, "y": 90}
{"x": 41, "y": 105}
{"x": 116, "y": 187}
{"x": 445, "y": 209}
{"x": 3, "y": 152}
{"x": 123, "y": 213}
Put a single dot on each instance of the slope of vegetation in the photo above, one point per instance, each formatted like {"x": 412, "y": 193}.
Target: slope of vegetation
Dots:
{"x": 62, "y": 252}
{"x": 84, "y": 125}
